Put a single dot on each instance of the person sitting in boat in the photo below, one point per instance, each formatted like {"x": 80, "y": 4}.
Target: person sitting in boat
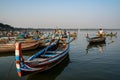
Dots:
{"x": 101, "y": 33}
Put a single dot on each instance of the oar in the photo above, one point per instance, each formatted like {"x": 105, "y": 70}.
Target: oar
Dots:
{"x": 48, "y": 46}
{"x": 71, "y": 41}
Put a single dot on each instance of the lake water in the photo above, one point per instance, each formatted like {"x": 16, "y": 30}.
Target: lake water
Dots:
{"x": 97, "y": 62}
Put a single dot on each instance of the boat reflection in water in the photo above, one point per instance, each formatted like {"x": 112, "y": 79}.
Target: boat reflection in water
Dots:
{"x": 52, "y": 73}
{"x": 24, "y": 52}
{"x": 99, "y": 46}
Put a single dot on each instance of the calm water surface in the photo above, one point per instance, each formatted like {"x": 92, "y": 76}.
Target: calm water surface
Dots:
{"x": 85, "y": 62}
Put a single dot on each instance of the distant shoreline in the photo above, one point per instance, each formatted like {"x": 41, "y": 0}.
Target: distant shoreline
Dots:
{"x": 97, "y": 29}
{"x": 6, "y": 27}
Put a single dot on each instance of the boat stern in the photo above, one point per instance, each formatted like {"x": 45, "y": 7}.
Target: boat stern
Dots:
{"x": 18, "y": 58}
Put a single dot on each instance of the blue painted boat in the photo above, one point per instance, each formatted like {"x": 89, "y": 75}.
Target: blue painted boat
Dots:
{"x": 43, "y": 60}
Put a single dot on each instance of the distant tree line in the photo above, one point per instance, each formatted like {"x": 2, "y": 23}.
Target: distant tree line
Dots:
{"x": 5, "y": 27}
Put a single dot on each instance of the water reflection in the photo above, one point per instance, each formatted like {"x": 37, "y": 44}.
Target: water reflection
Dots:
{"x": 111, "y": 39}
{"x": 99, "y": 46}
{"x": 52, "y": 73}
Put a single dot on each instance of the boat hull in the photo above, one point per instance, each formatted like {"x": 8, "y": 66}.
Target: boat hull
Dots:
{"x": 5, "y": 48}
{"x": 96, "y": 40}
{"x": 44, "y": 67}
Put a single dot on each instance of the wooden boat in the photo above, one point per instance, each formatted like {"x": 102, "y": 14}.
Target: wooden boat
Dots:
{"x": 112, "y": 34}
{"x": 43, "y": 60}
{"x": 96, "y": 40}
{"x": 26, "y": 45}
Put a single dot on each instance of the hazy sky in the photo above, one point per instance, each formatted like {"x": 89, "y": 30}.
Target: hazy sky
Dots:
{"x": 61, "y": 13}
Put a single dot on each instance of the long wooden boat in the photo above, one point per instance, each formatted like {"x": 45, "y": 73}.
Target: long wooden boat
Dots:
{"x": 26, "y": 45}
{"x": 95, "y": 40}
{"x": 112, "y": 34}
{"x": 43, "y": 60}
